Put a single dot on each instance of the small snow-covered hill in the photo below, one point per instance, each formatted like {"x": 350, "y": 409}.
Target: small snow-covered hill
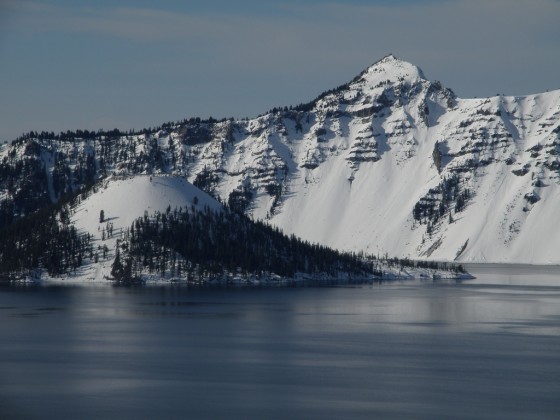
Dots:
{"x": 389, "y": 163}
{"x": 123, "y": 200}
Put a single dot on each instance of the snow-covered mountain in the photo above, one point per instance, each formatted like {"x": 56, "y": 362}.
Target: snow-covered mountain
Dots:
{"x": 389, "y": 163}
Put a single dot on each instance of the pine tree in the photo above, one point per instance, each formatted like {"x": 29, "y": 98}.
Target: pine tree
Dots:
{"x": 117, "y": 267}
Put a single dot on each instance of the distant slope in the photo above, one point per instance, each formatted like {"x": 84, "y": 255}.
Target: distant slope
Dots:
{"x": 389, "y": 163}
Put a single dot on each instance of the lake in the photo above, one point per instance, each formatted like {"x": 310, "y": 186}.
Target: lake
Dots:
{"x": 483, "y": 348}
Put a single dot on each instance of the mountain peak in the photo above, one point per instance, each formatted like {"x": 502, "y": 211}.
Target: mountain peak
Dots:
{"x": 389, "y": 57}
{"x": 392, "y": 69}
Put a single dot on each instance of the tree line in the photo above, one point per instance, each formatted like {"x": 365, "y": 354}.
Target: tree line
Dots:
{"x": 185, "y": 243}
{"x": 43, "y": 240}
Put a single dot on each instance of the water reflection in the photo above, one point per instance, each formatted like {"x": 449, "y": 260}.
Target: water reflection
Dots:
{"x": 516, "y": 275}
{"x": 485, "y": 348}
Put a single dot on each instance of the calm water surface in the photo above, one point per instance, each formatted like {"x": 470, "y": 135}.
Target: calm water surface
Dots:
{"x": 486, "y": 348}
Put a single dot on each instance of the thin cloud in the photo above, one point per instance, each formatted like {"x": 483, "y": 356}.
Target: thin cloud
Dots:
{"x": 131, "y": 23}
{"x": 240, "y": 62}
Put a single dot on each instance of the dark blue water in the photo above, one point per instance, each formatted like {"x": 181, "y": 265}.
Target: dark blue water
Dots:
{"x": 488, "y": 348}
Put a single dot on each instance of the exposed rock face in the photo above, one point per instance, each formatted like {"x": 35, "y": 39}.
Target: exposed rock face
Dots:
{"x": 436, "y": 155}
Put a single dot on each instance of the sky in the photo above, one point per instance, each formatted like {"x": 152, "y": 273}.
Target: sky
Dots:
{"x": 104, "y": 64}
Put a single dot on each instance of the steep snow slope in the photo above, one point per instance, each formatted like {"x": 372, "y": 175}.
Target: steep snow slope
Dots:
{"x": 125, "y": 200}
{"x": 512, "y": 178}
{"x": 368, "y": 154}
